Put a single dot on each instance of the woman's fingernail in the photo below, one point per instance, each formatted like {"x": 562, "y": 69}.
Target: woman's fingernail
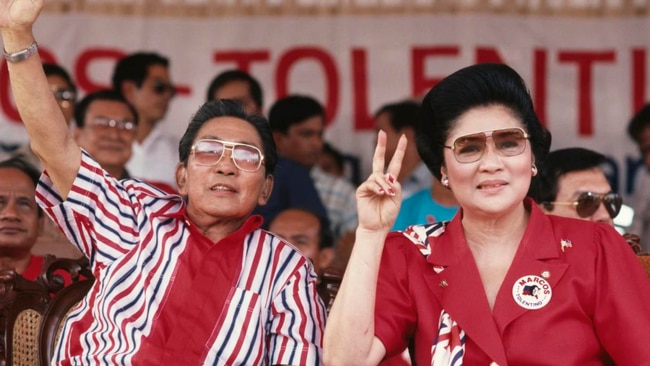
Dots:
{"x": 381, "y": 190}
{"x": 391, "y": 192}
{"x": 390, "y": 178}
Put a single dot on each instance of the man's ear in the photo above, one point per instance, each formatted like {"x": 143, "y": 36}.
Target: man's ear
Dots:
{"x": 128, "y": 90}
{"x": 267, "y": 189}
{"x": 181, "y": 179}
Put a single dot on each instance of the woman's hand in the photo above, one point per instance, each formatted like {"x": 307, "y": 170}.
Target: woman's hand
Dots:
{"x": 19, "y": 15}
{"x": 380, "y": 196}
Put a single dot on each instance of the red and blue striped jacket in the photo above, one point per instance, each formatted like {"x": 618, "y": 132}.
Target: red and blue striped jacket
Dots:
{"x": 165, "y": 294}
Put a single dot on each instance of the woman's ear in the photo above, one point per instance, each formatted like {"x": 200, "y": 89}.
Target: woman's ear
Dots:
{"x": 181, "y": 179}
{"x": 443, "y": 171}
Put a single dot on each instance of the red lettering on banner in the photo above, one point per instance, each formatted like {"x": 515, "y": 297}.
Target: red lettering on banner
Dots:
{"x": 363, "y": 119}
{"x": 6, "y": 104}
{"x": 242, "y": 59}
{"x": 86, "y": 58}
{"x": 585, "y": 61}
{"x": 420, "y": 82}
{"x": 331, "y": 76}
{"x": 488, "y": 55}
{"x": 540, "y": 72}
{"x": 638, "y": 79}
{"x": 5, "y": 101}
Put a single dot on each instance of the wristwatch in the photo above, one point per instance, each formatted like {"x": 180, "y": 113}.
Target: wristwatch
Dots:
{"x": 21, "y": 55}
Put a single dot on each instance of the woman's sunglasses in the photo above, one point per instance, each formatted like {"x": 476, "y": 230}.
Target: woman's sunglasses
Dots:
{"x": 588, "y": 202}
{"x": 507, "y": 142}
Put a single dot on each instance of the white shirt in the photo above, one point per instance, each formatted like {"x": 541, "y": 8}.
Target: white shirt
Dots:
{"x": 156, "y": 158}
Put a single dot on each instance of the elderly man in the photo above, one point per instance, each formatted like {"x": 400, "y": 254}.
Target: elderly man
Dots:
{"x": 188, "y": 279}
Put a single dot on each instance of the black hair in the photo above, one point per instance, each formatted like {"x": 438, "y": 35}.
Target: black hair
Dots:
{"x": 81, "y": 108}
{"x": 401, "y": 114}
{"x": 228, "y": 108}
{"x": 20, "y": 162}
{"x": 557, "y": 164}
{"x": 638, "y": 122}
{"x": 335, "y": 154}
{"x": 135, "y": 67}
{"x": 293, "y": 109}
{"x": 475, "y": 86}
{"x": 254, "y": 88}
{"x": 56, "y": 70}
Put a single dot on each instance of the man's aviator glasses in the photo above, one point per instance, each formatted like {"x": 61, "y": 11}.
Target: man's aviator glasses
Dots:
{"x": 209, "y": 152}
{"x": 507, "y": 142}
{"x": 588, "y": 202}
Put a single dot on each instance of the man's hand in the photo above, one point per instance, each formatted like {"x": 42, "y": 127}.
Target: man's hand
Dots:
{"x": 19, "y": 15}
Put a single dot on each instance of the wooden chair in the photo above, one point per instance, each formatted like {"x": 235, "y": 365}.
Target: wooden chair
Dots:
{"x": 21, "y": 307}
{"x": 635, "y": 243}
{"x": 68, "y": 281}
{"x": 645, "y": 262}
{"x": 329, "y": 285}
{"x": 55, "y": 315}
{"x": 31, "y": 312}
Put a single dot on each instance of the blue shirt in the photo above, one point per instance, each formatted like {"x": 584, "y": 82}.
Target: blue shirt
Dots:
{"x": 421, "y": 209}
{"x": 292, "y": 188}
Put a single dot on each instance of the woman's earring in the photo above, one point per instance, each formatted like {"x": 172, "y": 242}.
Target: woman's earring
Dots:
{"x": 445, "y": 182}
{"x": 534, "y": 170}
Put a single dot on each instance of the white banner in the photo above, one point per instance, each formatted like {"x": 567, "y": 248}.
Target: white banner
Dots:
{"x": 587, "y": 76}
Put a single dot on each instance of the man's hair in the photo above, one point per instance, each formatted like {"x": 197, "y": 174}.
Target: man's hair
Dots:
{"x": 401, "y": 114}
{"x": 557, "y": 164}
{"x": 56, "y": 70}
{"x": 134, "y": 68}
{"x": 19, "y": 162}
{"x": 638, "y": 122}
{"x": 81, "y": 109}
{"x": 293, "y": 110}
{"x": 228, "y": 76}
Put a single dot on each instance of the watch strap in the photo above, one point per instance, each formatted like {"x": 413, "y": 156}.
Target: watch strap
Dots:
{"x": 22, "y": 54}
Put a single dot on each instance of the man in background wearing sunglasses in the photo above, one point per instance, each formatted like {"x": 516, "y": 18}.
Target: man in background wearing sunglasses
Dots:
{"x": 143, "y": 79}
{"x": 571, "y": 183}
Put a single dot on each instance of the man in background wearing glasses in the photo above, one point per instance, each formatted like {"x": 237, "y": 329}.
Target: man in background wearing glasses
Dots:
{"x": 144, "y": 81}
{"x": 571, "y": 183}
{"x": 106, "y": 126}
